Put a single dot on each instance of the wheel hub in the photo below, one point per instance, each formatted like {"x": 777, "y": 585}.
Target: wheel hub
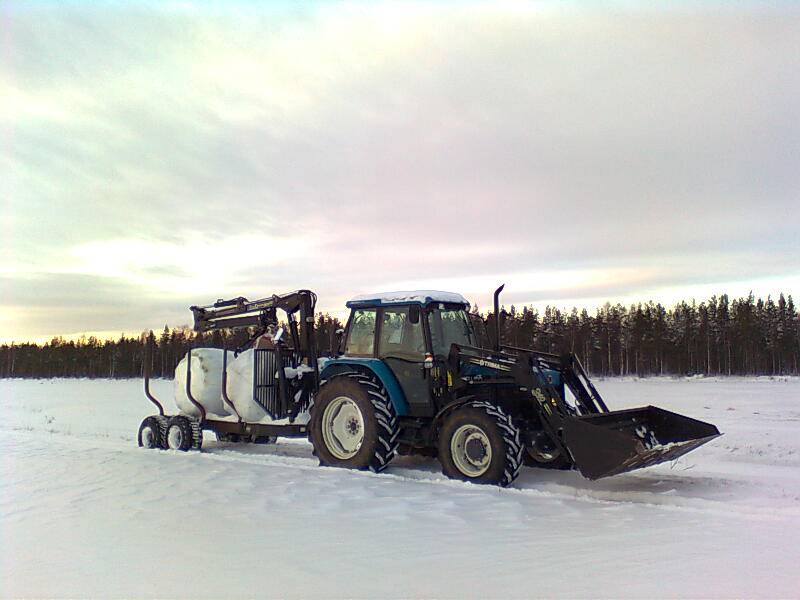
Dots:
{"x": 353, "y": 426}
{"x": 475, "y": 449}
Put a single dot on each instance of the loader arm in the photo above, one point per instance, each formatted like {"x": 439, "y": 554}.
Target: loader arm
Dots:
{"x": 600, "y": 442}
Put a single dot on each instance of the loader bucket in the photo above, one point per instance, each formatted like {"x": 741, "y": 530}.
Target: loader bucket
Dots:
{"x": 616, "y": 442}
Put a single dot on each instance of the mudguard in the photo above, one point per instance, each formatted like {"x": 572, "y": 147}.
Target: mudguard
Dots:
{"x": 339, "y": 366}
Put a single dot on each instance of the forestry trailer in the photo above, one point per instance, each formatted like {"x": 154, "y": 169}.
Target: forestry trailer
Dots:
{"x": 409, "y": 377}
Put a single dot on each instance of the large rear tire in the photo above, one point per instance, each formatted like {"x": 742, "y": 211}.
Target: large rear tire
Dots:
{"x": 480, "y": 443}
{"x": 353, "y": 423}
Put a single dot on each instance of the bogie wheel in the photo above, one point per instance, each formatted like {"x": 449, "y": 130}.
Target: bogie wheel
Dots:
{"x": 353, "y": 423}
{"x": 181, "y": 434}
{"x": 480, "y": 443}
{"x": 152, "y": 432}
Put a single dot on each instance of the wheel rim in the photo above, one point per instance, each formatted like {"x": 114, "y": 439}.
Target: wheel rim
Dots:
{"x": 175, "y": 438}
{"x": 471, "y": 450}
{"x": 148, "y": 437}
{"x": 343, "y": 428}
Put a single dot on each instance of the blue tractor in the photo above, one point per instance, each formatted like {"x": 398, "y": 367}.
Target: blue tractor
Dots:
{"x": 409, "y": 377}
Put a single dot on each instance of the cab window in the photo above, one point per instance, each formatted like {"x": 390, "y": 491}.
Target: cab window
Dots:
{"x": 361, "y": 335}
{"x": 449, "y": 326}
{"x": 399, "y": 336}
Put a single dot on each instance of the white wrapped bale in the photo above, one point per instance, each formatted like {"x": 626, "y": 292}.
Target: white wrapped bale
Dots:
{"x": 241, "y": 371}
{"x": 206, "y": 383}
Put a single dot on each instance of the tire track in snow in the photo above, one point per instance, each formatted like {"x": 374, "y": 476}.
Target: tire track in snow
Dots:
{"x": 286, "y": 458}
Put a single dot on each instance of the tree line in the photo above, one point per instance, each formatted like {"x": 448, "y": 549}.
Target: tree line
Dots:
{"x": 743, "y": 336}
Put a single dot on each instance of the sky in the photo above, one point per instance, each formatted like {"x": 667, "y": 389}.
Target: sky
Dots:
{"x": 154, "y": 156}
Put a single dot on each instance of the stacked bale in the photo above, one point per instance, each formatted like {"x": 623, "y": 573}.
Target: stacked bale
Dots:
{"x": 206, "y": 383}
{"x": 240, "y": 388}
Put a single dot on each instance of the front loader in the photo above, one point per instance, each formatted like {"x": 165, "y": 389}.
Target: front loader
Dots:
{"x": 410, "y": 378}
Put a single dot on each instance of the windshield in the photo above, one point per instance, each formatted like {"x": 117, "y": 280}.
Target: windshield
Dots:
{"x": 449, "y": 326}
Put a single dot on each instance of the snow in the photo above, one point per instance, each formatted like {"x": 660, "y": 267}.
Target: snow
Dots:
{"x": 85, "y": 513}
{"x": 419, "y": 296}
{"x": 297, "y": 373}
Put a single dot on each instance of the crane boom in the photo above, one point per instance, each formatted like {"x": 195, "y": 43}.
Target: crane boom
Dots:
{"x": 239, "y": 313}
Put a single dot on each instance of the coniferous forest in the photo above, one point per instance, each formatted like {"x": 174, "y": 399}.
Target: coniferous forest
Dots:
{"x": 744, "y": 336}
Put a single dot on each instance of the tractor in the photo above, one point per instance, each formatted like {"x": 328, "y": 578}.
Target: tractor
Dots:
{"x": 408, "y": 376}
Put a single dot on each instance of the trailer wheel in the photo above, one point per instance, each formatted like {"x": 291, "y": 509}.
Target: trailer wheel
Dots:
{"x": 152, "y": 433}
{"x": 353, "y": 423}
{"x": 180, "y": 434}
{"x": 480, "y": 443}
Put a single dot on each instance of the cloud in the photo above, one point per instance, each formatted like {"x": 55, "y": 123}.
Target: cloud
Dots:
{"x": 191, "y": 151}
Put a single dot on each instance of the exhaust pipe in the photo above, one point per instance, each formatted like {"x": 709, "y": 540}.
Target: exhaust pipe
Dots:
{"x": 497, "y": 317}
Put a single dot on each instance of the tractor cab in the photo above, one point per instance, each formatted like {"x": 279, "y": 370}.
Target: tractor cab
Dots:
{"x": 407, "y": 332}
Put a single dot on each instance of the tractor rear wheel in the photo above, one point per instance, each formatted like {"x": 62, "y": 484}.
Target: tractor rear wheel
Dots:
{"x": 353, "y": 423}
{"x": 480, "y": 443}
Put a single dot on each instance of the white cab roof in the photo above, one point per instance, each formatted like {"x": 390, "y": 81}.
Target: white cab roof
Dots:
{"x": 407, "y": 297}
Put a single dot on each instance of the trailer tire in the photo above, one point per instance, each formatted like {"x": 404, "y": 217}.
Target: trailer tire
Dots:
{"x": 353, "y": 423}
{"x": 480, "y": 443}
{"x": 152, "y": 433}
{"x": 180, "y": 435}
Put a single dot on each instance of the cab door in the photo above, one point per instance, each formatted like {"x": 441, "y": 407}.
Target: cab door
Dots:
{"x": 401, "y": 345}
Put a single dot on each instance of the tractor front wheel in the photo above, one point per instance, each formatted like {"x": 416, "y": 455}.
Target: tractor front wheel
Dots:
{"x": 480, "y": 443}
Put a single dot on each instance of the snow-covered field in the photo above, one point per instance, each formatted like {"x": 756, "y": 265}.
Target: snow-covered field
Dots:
{"x": 85, "y": 513}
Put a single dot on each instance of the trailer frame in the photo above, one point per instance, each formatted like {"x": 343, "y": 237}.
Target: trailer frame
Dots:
{"x": 239, "y": 427}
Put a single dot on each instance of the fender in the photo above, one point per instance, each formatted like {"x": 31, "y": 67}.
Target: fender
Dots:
{"x": 340, "y": 366}
{"x": 446, "y": 410}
